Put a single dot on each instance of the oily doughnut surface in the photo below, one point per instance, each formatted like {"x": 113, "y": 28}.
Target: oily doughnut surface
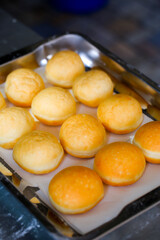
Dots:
{"x": 63, "y": 68}
{"x": 82, "y": 135}
{"x": 120, "y": 114}
{"x": 147, "y": 138}
{"x": 92, "y": 87}
{"x": 14, "y": 123}
{"x": 53, "y": 105}
{"x": 22, "y": 85}
{"x": 75, "y": 190}
{"x": 38, "y": 152}
{"x": 120, "y": 163}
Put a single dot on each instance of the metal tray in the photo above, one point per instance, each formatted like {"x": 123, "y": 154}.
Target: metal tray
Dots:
{"x": 93, "y": 55}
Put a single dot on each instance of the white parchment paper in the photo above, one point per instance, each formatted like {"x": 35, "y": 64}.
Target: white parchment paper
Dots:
{"x": 115, "y": 199}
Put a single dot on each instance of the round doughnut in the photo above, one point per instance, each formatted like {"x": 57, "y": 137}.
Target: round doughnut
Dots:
{"x": 82, "y": 135}
{"x": 123, "y": 88}
{"x": 147, "y": 138}
{"x": 63, "y": 68}
{"x": 120, "y": 113}
{"x": 22, "y": 85}
{"x": 92, "y": 87}
{"x": 38, "y": 152}
{"x": 2, "y": 101}
{"x": 75, "y": 190}
{"x": 53, "y": 105}
{"x": 14, "y": 123}
{"x": 119, "y": 163}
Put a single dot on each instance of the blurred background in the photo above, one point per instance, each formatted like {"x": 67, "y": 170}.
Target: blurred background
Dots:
{"x": 130, "y": 29}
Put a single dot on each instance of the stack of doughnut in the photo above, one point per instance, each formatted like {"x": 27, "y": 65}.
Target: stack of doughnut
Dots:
{"x": 76, "y": 189}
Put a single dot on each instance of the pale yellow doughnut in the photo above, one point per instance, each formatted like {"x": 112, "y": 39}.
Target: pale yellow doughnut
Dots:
{"x": 120, "y": 114}
{"x": 22, "y": 85}
{"x": 82, "y": 135}
{"x": 53, "y": 105}
{"x": 92, "y": 87}
{"x": 63, "y": 68}
{"x": 38, "y": 152}
{"x": 14, "y": 123}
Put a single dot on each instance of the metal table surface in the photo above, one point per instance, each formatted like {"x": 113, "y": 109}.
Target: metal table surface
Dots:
{"x": 16, "y": 222}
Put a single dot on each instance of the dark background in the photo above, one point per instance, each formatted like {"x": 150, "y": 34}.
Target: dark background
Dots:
{"x": 130, "y": 29}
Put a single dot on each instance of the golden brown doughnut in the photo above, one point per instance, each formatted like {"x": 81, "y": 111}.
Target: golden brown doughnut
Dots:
{"x": 53, "y": 105}
{"x": 14, "y": 123}
{"x": 119, "y": 163}
{"x": 123, "y": 88}
{"x": 38, "y": 152}
{"x": 120, "y": 113}
{"x": 82, "y": 135}
{"x": 75, "y": 190}
{"x": 22, "y": 85}
{"x": 147, "y": 138}
{"x": 92, "y": 87}
{"x": 63, "y": 68}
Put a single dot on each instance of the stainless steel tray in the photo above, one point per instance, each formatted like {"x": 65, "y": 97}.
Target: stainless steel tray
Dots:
{"x": 93, "y": 55}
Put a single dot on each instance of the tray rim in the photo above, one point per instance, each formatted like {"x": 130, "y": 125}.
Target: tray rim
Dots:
{"x": 31, "y": 48}
{"x": 103, "y": 229}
